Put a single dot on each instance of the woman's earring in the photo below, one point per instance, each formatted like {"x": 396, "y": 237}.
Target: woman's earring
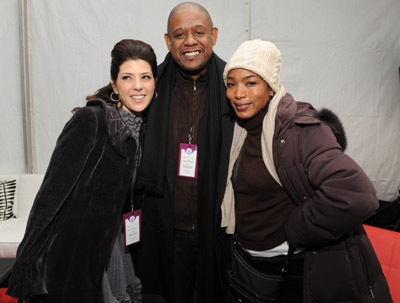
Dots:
{"x": 114, "y": 100}
{"x": 155, "y": 95}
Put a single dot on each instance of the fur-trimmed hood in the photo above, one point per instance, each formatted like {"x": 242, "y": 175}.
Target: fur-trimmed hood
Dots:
{"x": 304, "y": 113}
{"x": 332, "y": 120}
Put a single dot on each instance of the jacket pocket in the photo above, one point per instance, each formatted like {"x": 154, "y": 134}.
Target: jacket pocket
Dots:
{"x": 331, "y": 277}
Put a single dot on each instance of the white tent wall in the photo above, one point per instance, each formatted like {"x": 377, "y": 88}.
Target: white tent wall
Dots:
{"x": 72, "y": 41}
{"x": 11, "y": 113}
{"x": 343, "y": 55}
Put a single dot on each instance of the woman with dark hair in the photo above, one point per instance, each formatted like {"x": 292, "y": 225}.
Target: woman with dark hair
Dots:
{"x": 73, "y": 249}
{"x": 294, "y": 200}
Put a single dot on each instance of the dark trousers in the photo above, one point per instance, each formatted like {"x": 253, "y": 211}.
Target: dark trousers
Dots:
{"x": 186, "y": 249}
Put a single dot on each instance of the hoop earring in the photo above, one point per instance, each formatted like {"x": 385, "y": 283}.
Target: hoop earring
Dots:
{"x": 155, "y": 96}
{"x": 114, "y": 100}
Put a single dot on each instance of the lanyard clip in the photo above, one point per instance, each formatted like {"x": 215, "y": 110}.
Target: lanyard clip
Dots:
{"x": 190, "y": 137}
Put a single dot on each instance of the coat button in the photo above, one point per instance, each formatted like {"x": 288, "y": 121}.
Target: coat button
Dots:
{"x": 283, "y": 141}
{"x": 304, "y": 198}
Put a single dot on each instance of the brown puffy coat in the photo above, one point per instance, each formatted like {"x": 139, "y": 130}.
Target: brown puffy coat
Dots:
{"x": 333, "y": 196}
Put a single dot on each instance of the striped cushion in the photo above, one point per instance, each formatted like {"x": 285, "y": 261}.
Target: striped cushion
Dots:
{"x": 7, "y": 194}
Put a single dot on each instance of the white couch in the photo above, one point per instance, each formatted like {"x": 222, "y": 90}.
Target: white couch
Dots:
{"x": 13, "y": 229}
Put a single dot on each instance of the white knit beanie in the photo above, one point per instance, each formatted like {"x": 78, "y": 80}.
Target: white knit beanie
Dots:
{"x": 260, "y": 57}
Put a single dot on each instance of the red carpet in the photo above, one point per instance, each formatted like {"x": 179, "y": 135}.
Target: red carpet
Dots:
{"x": 6, "y": 299}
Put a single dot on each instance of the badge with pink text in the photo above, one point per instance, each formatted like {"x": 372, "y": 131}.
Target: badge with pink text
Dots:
{"x": 132, "y": 227}
{"x": 187, "y": 165}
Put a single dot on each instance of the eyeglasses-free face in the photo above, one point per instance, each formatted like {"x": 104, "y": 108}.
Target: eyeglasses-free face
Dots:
{"x": 190, "y": 39}
{"x": 247, "y": 92}
{"x": 135, "y": 85}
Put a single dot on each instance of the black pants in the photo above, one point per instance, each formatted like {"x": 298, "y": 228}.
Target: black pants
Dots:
{"x": 186, "y": 249}
{"x": 292, "y": 287}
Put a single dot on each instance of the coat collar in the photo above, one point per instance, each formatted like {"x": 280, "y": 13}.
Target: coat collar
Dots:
{"x": 296, "y": 112}
{"x": 303, "y": 113}
{"x": 117, "y": 132}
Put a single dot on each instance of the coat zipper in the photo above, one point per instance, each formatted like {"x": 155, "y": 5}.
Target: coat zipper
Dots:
{"x": 193, "y": 102}
{"x": 192, "y": 131}
{"x": 364, "y": 267}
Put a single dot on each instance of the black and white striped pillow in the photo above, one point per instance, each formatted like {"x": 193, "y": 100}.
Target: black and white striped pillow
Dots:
{"x": 7, "y": 194}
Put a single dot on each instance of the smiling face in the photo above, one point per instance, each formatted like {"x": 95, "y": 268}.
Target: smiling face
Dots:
{"x": 248, "y": 92}
{"x": 190, "y": 39}
{"x": 135, "y": 85}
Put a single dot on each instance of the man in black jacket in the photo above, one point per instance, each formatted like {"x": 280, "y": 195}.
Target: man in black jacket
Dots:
{"x": 181, "y": 181}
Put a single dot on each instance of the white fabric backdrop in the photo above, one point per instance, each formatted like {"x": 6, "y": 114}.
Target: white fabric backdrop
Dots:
{"x": 11, "y": 126}
{"x": 343, "y": 55}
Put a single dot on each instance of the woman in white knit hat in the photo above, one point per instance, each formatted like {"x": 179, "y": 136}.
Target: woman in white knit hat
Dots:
{"x": 290, "y": 185}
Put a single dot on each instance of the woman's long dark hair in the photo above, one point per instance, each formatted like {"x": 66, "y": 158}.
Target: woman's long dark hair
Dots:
{"x": 127, "y": 49}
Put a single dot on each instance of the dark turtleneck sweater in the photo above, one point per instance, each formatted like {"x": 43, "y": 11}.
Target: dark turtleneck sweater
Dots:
{"x": 192, "y": 93}
{"x": 261, "y": 203}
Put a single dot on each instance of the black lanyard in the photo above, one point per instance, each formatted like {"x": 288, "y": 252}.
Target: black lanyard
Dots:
{"x": 191, "y": 123}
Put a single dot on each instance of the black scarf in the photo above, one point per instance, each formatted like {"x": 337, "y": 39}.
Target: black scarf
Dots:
{"x": 152, "y": 171}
